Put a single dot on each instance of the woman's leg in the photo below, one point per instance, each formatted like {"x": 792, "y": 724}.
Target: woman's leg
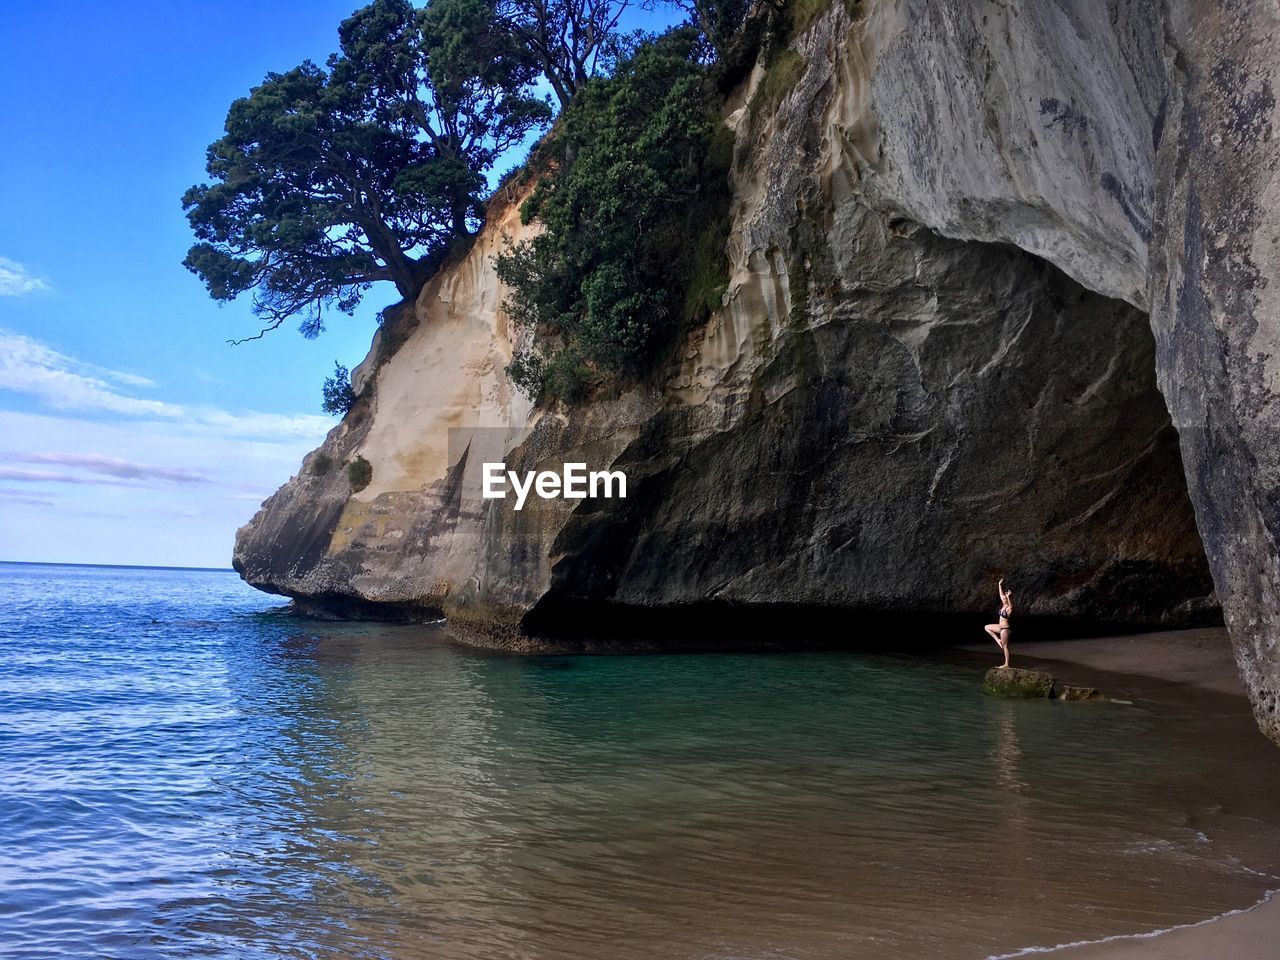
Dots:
{"x": 1000, "y": 636}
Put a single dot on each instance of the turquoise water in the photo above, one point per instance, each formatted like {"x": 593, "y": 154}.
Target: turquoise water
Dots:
{"x": 187, "y": 771}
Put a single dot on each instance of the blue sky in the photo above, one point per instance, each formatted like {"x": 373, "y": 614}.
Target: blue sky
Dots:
{"x": 130, "y": 432}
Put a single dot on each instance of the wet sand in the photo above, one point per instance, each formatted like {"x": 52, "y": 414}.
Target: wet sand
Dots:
{"x": 1200, "y": 658}
{"x": 1248, "y": 934}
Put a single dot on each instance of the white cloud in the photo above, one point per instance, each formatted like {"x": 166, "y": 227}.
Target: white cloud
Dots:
{"x": 135, "y": 480}
{"x": 37, "y": 370}
{"x": 101, "y": 518}
{"x": 309, "y": 426}
{"x": 116, "y": 467}
{"x": 128, "y": 379}
{"x": 16, "y": 280}
{"x": 21, "y": 498}
{"x": 30, "y": 367}
{"x": 41, "y": 476}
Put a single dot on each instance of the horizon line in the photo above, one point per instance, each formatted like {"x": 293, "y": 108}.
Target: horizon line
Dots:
{"x": 116, "y": 566}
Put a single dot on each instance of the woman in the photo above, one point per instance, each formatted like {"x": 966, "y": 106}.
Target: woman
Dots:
{"x": 999, "y": 632}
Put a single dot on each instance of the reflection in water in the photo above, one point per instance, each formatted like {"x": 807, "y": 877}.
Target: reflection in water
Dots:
{"x": 268, "y": 787}
{"x": 1007, "y": 753}
{"x": 1015, "y": 831}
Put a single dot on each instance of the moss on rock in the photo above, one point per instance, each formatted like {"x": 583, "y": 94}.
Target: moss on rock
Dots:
{"x": 1018, "y": 684}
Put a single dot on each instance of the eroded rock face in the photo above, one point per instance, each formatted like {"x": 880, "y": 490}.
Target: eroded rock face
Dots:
{"x": 932, "y": 364}
{"x": 1027, "y": 122}
{"x": 1215, "y": 309}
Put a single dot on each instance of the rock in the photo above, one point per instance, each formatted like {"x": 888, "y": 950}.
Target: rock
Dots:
{"x": 1215, "y": 309}
{"x": 1021, "y": 684}
{"x": 933, "y": 364}
{"x": 1017, "y": 683}
{"x": 879, "y": 419}
{"x": 1078, "y": 693}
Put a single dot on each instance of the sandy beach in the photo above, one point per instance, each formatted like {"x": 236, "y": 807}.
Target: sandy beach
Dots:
{"x": 1199, "y": 658}
{"x": 1248, "y": 934}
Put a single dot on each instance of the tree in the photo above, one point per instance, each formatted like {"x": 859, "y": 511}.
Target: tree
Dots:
{"x": 338, "y": 395}
{"x": 567, "y": 38}
{"x": 329, "y": 180}
{"x": 716, "y": 20}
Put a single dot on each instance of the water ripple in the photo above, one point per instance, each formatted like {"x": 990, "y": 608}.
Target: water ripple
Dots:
{"x": 188, "y": 773}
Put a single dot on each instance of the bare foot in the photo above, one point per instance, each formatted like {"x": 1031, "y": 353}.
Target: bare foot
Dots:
{"x": 1003, "y": 666}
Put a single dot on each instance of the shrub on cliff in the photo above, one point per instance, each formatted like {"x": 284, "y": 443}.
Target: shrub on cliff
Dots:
{"x": 338, "y": 395}
{"x": 631, "y": 183}
{"x": 359, "y": 473}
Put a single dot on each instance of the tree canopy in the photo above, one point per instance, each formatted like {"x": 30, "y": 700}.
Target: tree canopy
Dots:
{"x": 375, "y": 166}
{"x": 717, "y": 20}
{"x": 569, "y": 39}
{"x": 330, "y": 179}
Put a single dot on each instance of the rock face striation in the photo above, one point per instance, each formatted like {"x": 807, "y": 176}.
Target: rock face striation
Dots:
{"x": 979, "y": 254}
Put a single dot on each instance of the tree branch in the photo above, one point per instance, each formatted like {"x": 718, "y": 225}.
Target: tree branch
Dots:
{"x": 260, "y": 334}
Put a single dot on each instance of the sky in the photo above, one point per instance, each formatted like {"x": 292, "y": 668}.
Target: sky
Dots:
{"x": 130, "y": 431}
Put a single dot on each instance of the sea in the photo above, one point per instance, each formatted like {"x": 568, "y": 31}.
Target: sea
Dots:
{"x": 189, "y": 770}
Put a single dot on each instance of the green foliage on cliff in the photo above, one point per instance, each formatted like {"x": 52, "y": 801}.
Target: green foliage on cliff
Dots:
{"x": 784, "y": 66}
{"x": 359, "y": 473}
{"x": 633, "y": 195}
{"x": 338, "y": 395}
{"x": 780, "y": 78}
{"x": 802, "y": 14}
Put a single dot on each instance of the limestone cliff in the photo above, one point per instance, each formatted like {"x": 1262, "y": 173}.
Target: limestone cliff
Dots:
{"x": 934, "y": 361}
